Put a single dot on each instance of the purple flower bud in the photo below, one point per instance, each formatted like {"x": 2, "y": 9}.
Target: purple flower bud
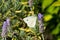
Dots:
{"x": 40, "y": 16}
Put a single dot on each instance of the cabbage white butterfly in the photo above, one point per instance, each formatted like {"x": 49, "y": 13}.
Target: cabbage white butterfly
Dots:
{"x": 31, "y": 21}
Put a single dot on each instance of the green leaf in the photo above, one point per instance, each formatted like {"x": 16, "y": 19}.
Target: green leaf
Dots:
{"x": 28, "y": 38}
{"x": 23, "y": 0}
{"x": 56, "y": 30}
{"x": 58, "y": 37}
{"x": 48, "y": 17}
{"x": 57, "y": 3}
{"x": 22, "y": 33}
{"x": 52, "y": 9}
{"x": 58, "y": 0}
{"x": 46, "y": 3}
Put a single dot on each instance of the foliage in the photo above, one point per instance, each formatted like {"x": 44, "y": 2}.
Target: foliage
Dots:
{"x": 16, "y": 10}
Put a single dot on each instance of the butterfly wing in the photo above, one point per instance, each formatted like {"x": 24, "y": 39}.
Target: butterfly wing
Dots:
{"x": 31, "y": 21}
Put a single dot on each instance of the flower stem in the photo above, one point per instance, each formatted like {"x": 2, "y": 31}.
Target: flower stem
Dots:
{"x": 42, "y": 36}
{"x": 4, "y": 38}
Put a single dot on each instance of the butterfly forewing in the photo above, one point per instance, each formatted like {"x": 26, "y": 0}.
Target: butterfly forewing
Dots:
{"x": 31, "y": 21}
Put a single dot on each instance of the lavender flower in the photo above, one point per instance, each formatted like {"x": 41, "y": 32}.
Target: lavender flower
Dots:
{"x": 4, "y": 29}
{"x": 5, "y": 26}
{"x": 41, "y": 26}
{"x": 40, "y": 16}
{"x": 40, "y": 20}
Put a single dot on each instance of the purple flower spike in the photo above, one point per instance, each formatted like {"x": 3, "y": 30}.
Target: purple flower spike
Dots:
{"x": 41, "y": 25}
{"x": 4, "y": 29}
{"x": 40, "y": 16}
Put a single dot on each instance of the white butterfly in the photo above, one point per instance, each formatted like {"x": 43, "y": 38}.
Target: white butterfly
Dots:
{"x": 31, "y": 21}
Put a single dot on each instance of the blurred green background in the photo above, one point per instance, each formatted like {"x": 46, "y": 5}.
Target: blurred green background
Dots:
{"x": 19, "y": 9}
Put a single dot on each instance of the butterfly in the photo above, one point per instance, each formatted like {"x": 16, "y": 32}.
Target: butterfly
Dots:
{"x": 30, "y": 21}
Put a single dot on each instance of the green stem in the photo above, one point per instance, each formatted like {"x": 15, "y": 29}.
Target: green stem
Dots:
{"x": 42, "y": 36}
{"x": 4, "y": 38}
